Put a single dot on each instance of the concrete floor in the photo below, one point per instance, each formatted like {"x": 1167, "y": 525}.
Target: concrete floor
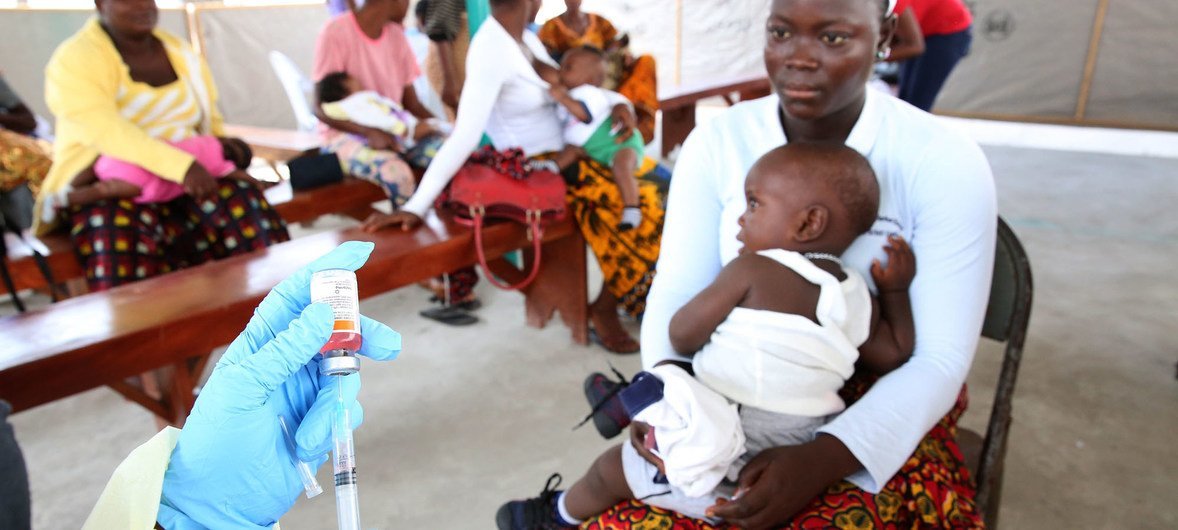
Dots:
{"x": 470, "y": 417}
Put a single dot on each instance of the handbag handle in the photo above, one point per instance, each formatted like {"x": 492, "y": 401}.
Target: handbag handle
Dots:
{"x": 534, "y": 233}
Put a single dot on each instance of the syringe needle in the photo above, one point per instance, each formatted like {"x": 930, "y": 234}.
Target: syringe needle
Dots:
{"x": 347, "y": 502}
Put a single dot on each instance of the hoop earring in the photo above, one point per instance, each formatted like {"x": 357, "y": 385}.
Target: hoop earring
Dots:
{"x": 884, "y": 53}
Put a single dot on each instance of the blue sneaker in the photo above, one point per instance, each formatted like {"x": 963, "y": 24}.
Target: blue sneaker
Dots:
{"x": 608, "y": 414}
{"x": 537, "y": 513}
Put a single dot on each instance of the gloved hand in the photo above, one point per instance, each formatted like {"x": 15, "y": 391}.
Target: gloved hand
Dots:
{"x": 231, "y": 467}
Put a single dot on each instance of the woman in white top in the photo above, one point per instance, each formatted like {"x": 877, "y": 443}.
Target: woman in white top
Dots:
{"x": 936, "y": 190}
{"x": 506, "y": 98}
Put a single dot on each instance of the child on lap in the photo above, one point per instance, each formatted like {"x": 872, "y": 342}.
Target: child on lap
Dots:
{"x": 773, "y": 339}
{"x": 111, "y": 178}
{"x": 343, "y": 99}
{"x": 585, "y": 111}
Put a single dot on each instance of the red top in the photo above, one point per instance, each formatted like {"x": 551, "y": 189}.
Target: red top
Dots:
{"x": 938, "y": 17}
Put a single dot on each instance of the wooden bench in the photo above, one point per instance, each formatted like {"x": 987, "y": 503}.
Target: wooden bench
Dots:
{"x": 678, "y": 104}
{"x": 275, "y": 145}
{"x": 172, "y": 322}
{"x": 352, "y": 197}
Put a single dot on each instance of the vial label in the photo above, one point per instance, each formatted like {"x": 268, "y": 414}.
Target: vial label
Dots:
{"x": 337, "y": 288}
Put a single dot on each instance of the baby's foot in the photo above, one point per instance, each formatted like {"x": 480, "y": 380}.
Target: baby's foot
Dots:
{"x": 631, "y": 218}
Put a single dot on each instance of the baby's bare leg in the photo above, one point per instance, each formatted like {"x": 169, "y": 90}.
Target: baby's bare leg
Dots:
{"x": 601, "y": 488}
{"x": 625, "y": 160}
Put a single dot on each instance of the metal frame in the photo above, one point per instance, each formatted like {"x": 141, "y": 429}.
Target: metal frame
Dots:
{"x": 1007, "y": 316}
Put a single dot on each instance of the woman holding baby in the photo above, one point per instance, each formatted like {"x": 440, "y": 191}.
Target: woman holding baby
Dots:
{"x": 889, "y": 459}
{"x": 122, "y": 89}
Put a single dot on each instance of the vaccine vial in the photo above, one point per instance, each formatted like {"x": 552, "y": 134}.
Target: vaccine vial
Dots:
{"x": 337, "y": 288}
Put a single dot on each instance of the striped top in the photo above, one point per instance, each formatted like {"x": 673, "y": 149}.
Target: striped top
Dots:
{"x": 169, "y": 112}
{"x": 100, "y": 110}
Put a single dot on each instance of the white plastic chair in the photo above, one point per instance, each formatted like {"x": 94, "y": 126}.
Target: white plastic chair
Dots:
{"x": 299, "y": 90}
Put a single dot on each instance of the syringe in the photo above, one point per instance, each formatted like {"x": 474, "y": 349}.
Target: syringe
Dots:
{"x": 337, "y": 288}
{"x": 347, "y": 501}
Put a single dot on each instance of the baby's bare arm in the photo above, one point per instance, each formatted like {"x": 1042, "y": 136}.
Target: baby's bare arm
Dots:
{"x": 693, "y": 325}
{"x": 102, "y": 190}
{"x": 574, "y": 106}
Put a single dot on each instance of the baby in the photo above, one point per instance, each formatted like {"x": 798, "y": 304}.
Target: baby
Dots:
{"x": 777, "y": 332}
{"x": 585, "y": 111}
{"x": 342, "y": 98}
{"x": 111, "y": 178}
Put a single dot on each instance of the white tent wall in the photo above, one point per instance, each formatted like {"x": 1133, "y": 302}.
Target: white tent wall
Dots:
{"x": 237, "y": 42}
{"x": 30, "y": 36}
{"x": 1136, "y": 74}
{"x": 1091, "y": 62}
{"x": 1027, "y": 59}
{"x": 695, "y": 42}
{"x": 1095, "y": 62}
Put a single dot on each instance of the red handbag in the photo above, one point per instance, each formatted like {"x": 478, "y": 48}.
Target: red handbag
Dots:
{"x": 494, "y": 185}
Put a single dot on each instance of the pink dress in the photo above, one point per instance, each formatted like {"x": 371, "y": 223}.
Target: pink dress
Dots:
{"x": 206, "y": 149}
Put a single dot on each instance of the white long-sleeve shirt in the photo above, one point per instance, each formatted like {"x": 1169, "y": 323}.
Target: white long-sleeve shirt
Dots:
{"x": 504, "y": 97}
{"x": 936, "y": 190}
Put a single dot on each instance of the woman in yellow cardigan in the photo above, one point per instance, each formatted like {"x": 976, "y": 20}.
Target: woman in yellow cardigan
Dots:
{"x": 122, "y": 88}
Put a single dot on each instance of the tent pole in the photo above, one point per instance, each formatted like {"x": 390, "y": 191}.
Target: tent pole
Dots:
{"x": 1090, "y": 63}
{"x": 193, "y": 28}
{"x": 678, "y": 42}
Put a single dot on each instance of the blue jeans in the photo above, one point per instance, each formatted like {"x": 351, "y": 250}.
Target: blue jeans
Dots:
{"x": 922, "y": 77}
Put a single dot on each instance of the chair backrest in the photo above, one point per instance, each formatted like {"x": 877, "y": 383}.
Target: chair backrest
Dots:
{"x": 299, "y": 89}
{"x": 1007, "y": 315}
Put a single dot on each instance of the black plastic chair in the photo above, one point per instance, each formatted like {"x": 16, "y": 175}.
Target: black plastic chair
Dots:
{"x": 1007, "y": 315}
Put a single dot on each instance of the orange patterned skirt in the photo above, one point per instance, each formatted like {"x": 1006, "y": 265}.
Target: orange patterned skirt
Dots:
{"x": 627, "y": 258}
{"x": 932, "y": 490}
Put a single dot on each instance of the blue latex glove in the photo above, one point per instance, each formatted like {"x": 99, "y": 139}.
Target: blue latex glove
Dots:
{"x": 231, "y": 467}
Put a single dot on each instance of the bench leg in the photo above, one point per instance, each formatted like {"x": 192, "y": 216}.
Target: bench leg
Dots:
{"x": 166, "y": 392}
{"x": 677, "y": 124}
{"x": 561, "y": 286}
{"x": 76, "y": 287}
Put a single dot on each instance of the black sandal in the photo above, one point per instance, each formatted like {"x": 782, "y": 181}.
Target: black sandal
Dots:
{"x": 469, "y": 305}
{"x": 451, "y": 316}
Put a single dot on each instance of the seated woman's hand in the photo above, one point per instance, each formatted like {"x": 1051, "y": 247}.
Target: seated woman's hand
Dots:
{"x": 236, "y": 151}
{"x": 424, "y": 128}
{"x": 246, "y": 177}
{"x": 779, "y": 482}
{"x": 380, "y": 140}
{"x": 406, "y": 220}
{"x": 198, "y": 182}
{"x": 641, "y": 437}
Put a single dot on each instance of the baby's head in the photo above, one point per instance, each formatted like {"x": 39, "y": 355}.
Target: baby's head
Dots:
{"x": 336, "y": 86}
{"x": 808, "y": 197}
{"x": 237, "y": 151}
{"x": 582, "y": 66}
